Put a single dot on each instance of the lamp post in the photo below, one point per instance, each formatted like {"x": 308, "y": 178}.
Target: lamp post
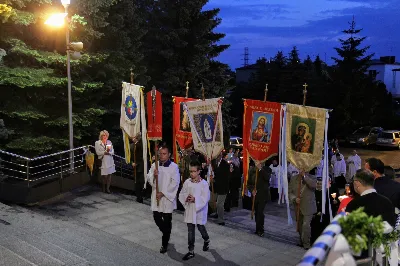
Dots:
{"x": 58, "y": 20}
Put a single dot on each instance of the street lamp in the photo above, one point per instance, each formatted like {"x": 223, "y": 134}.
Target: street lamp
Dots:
{"x": 58, "y": 20}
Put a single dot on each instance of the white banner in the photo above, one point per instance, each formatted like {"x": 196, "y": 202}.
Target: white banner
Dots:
{"x": 130, "y": 114}
{"x": 207, "y": 130}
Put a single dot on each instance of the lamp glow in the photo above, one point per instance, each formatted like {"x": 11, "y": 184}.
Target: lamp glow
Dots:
{"x": 65, "y": 2}
{"x": 56, "y": 20}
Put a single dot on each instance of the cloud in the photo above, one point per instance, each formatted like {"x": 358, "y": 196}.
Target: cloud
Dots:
{"x": 314, "y": 26}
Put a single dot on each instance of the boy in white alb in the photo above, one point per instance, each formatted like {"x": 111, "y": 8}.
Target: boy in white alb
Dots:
{"x": 194, "y": 197}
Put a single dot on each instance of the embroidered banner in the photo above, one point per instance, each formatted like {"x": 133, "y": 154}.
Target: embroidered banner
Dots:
{"x": 182, "y": 134}
{"x": 205, "y": 118}
{"x": 305, "y": 128}
{"x": 154, "y": 116}
{"x": 261, "y": 129}
{"x": 133, "y": 118}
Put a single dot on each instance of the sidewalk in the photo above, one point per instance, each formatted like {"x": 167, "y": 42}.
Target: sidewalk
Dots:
{"x": 120, "y": 217}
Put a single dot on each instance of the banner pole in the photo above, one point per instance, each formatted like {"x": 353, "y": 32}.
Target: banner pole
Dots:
{"x": 265, "y": 92}
{"x": 202, "y": 92}
{"x": 253, "y": 196}
{"x": 156, "y": 166}
{"x": 298, "y": 204}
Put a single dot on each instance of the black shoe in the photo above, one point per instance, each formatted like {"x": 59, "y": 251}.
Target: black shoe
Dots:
{"x": 188, "y": 255}
{"x": 206, "y": 245}
{"x": 260, "y": 234}
{"x": 163, "y": 250}
{"x": 221, "y": 223}
{"x": 139, "y": 200}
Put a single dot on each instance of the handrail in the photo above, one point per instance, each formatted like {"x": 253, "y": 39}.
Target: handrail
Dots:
{"x": 53, "y": 154}
{"x": 324, "y": 242}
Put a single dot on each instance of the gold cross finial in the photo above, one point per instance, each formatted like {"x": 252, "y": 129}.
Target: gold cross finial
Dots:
{"x": 305, "y": 93}
{"x": 202, "y": 91}
{"x": 132, "y": 74}
{"x": 187, "y": 88}
{"x": 265, "y": 92}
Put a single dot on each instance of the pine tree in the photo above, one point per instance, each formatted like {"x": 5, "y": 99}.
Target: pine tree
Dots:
{"x": 181, "y": 46}
{"x": 33, "y": 84}
{"x": 355, "y": 95}
{"x": 294, "y": 58}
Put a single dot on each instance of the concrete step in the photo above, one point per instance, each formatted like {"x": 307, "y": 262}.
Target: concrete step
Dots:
{"x": 30, "y": 238}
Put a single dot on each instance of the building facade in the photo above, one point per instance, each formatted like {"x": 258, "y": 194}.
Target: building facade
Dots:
{"x": 386, "y": 70}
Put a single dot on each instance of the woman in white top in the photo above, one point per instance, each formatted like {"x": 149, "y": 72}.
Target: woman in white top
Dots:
{"x": 105, "y": 152}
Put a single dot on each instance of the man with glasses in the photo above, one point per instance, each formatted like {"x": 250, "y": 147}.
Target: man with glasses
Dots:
{"x": 374, "y": 204}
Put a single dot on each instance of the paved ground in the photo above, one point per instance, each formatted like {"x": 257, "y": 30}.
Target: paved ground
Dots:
{"x": 87, "y": 227}
{"x": 388, "y": 156}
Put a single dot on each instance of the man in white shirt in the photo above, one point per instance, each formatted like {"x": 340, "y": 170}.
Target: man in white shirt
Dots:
{"x": 168, "y": 184}
{"x": 354, "y": 163}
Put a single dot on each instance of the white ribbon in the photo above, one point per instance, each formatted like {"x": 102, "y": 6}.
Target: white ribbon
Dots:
{"x": 282, "y": 171}
{"x": 325, "y": 171}
{"x": 394, "y": 256}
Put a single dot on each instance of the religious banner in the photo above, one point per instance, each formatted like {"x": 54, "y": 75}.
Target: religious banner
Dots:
{"x": 133, "y": 118}
{"x": 182, "y": 133}
{"x": 154, "y": 115}
{"x": 261, "y": 129}
{"x": 305, "y": 133}
{"x": 205, "y": 119}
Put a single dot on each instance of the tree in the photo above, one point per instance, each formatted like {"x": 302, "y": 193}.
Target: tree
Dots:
{"x": 356, "y": 97}
{"x": 33, "y": 84}
{"x": 182, "y": 46}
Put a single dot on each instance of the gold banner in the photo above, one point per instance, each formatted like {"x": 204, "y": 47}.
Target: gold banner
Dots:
{"x": 305, "y": 127}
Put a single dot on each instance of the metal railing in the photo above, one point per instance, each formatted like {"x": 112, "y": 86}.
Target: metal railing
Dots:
{"x": 34, "y": 171}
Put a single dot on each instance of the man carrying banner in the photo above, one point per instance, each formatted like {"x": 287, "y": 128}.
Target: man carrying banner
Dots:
{"x": 163, "y": 202}
{"x": 260, "y": 192}
{"x": 137, "y": 164}
{"x": 306, "y": 203}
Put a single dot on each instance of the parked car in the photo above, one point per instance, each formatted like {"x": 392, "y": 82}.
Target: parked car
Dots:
{"x": 236, "y": 142}
{"x": 365, "y": 136}
{"x": 389, "y": 138}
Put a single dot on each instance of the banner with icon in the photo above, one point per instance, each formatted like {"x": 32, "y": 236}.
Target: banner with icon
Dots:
{"x": 261, "y": 130}
{"x": 205, "y": 119}
{"x": 305, "y": 135}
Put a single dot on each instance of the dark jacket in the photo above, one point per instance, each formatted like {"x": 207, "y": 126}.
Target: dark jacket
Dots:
{"x": 388, "y": 188}
{"x": 221, "y": 178}
{"x": 374, "y": 205}
{"x": 263, "y": 191}
{"x": 138, "y": 149}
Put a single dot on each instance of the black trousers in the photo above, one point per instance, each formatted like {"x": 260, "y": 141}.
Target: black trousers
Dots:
{"x": 191, "y": 234}
{"x": 274, "y": 193}
{"x": 164, "y": 223}
{"x": 259, "y": 206}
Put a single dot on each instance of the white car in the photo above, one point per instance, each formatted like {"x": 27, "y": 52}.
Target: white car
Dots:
{"x": 389, "y": 138}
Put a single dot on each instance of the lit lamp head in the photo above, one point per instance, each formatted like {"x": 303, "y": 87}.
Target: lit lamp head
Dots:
{"x": 65, "y": 2}
{"x": 56, "y": 20}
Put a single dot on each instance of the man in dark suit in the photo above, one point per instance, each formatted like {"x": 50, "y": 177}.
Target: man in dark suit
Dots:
{"x": 221, "y": 185}
{"x": 374, "y": 204}
{"x": 384, "y": 185}
{"x": 260, "y": 192}
{"x": 137, "y": 164}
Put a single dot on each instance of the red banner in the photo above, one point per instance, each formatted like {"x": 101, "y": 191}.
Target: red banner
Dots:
{"x": 154, "y": 116}
{"x": 261, "y": 130}
{"x": 181, "y": 128}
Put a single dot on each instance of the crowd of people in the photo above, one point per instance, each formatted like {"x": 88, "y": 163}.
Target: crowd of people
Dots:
{"x": 188, "y": 186}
